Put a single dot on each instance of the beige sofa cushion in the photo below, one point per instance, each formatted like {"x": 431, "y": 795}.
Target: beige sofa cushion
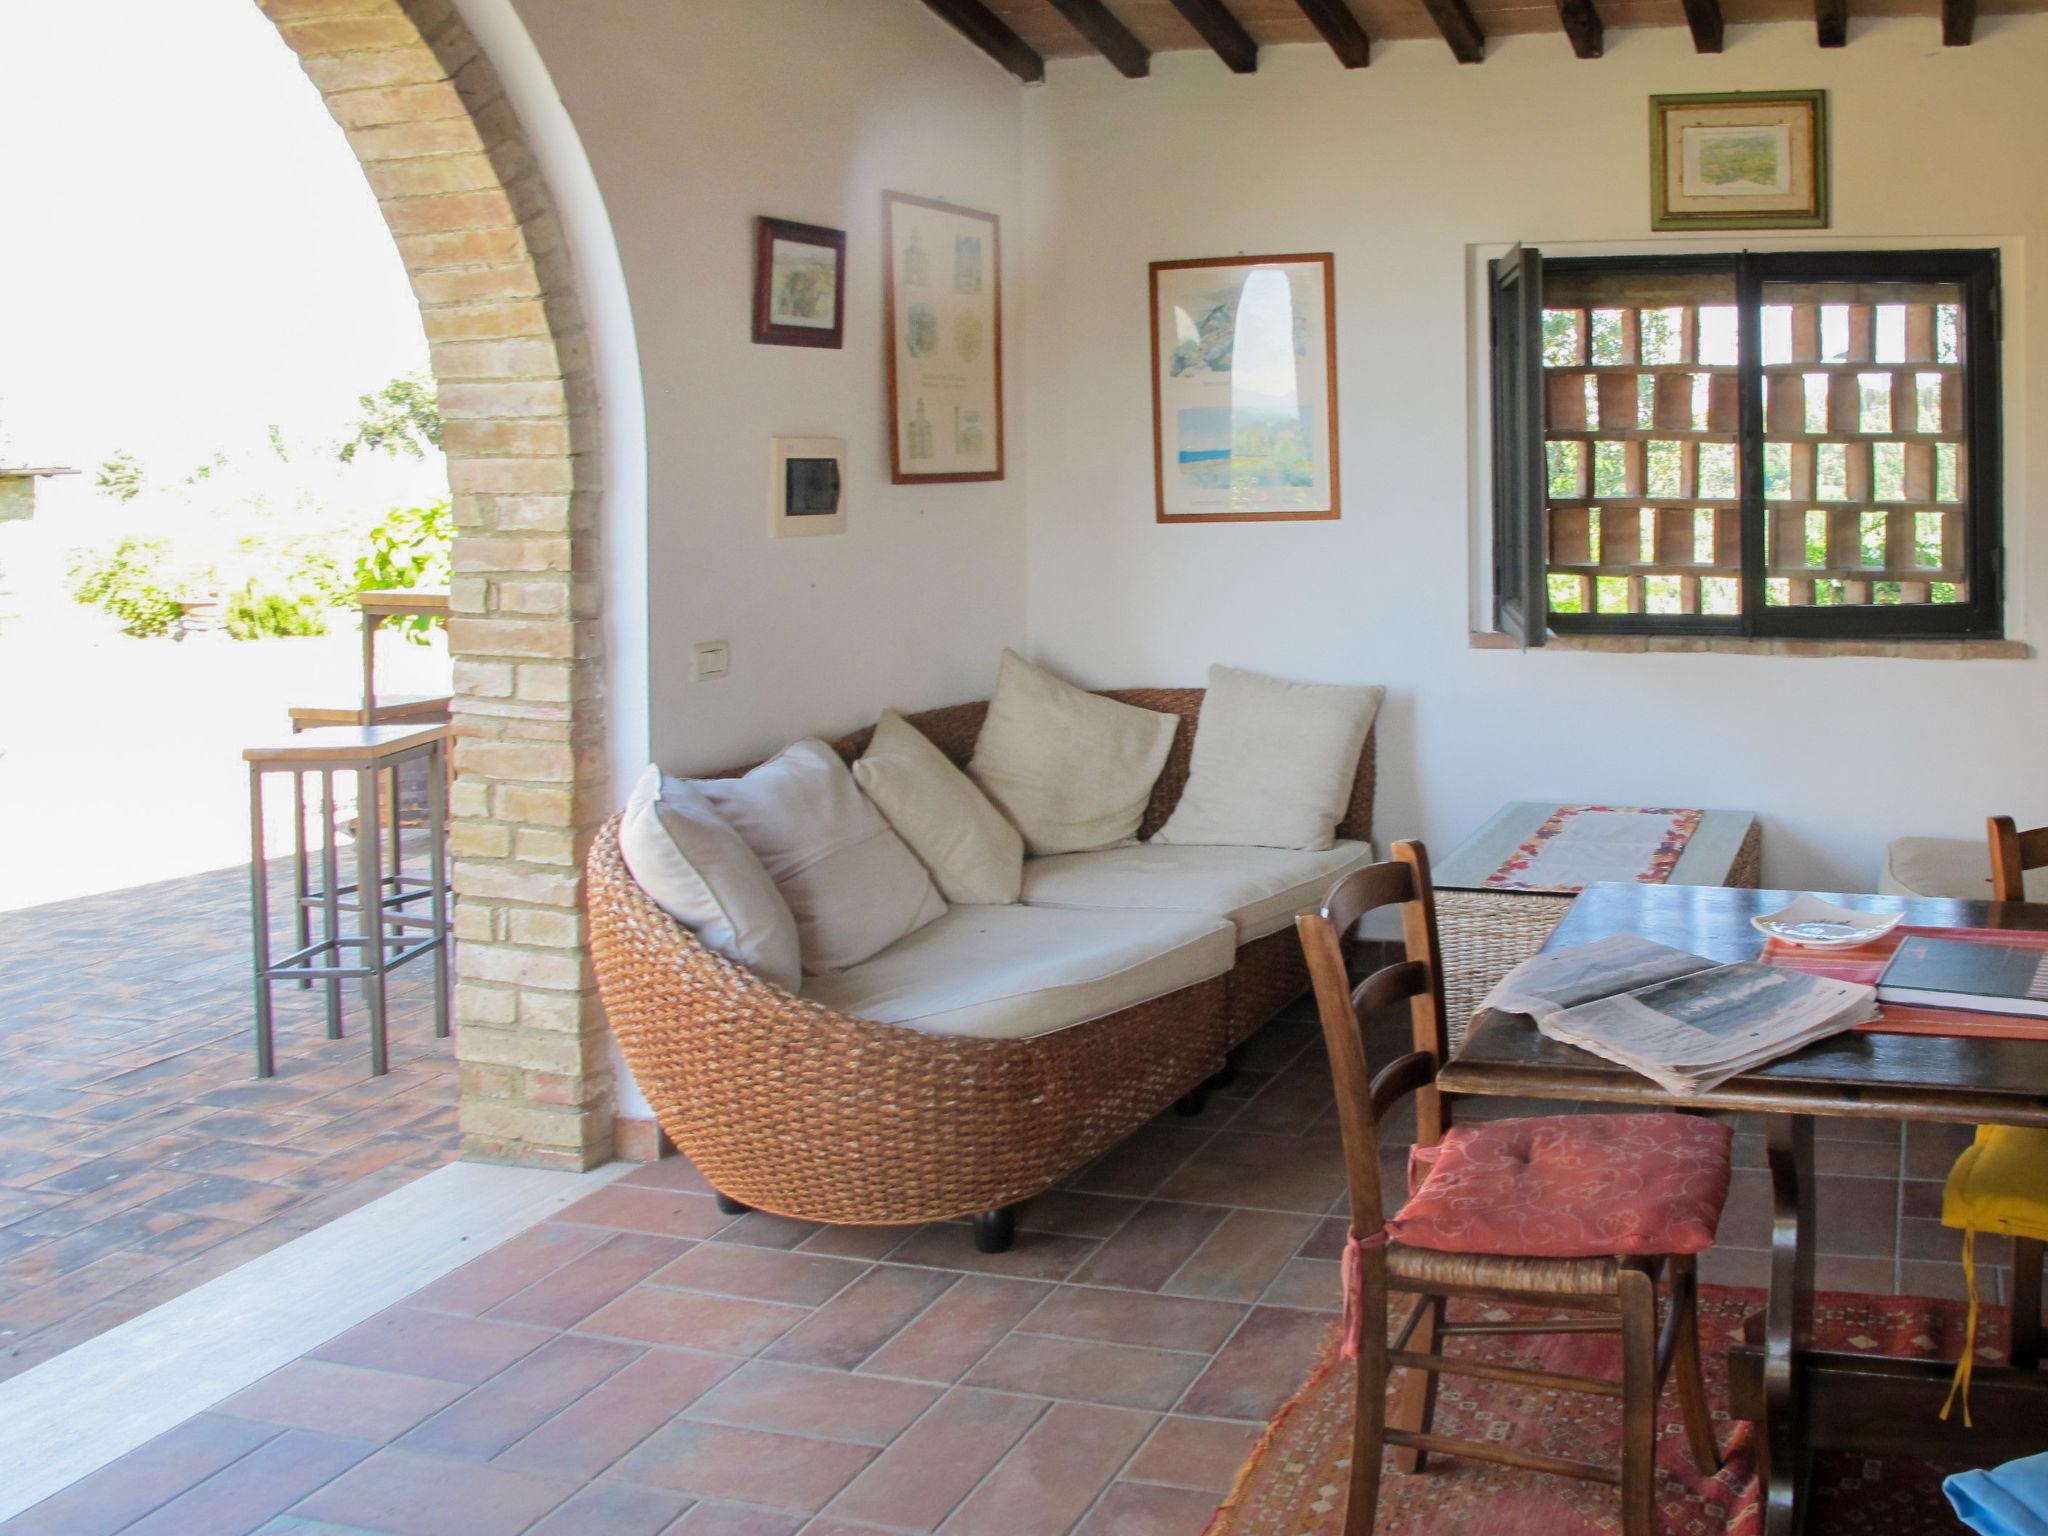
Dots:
{"x": 1008, "y": 973}
{"x": 700, "y": 872}
{"x": 973, "y": 854}
{"x": 850, "y": 882}
{"x": 1071, "y": 769}
{"x": 1257, "y": 889}
{"x": 1958, "y": 867}
{"x": 1273, "y": 762}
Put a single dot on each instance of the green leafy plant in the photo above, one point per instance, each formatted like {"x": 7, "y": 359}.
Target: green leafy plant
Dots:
{"x": 132, "y": 580}
{"x": 120, "y": 476}
{"x": 253, "y": 615}
{"x": 292, "y": 586}
{"x": 403, "y": 419}
{"x": 410, "y": 548}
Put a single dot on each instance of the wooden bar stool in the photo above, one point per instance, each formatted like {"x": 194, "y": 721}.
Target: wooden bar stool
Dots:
{"x": 390, "y": 931}
{"x": 398, "y": 709}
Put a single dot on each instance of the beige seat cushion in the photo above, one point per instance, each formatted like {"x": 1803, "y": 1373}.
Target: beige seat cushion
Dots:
{"x": 1258, "y": 889}
{"x": 1273, "y": 761}
{"x": 1071, "y": 769}
{"x": 1008, "y": 973}
{"x": 973, "y": 853}
{"x": 1958, "y": 867}
{"x": 850, "y": 882}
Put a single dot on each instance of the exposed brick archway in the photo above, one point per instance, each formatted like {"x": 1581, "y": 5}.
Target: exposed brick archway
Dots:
{"x": 460, "y": 189}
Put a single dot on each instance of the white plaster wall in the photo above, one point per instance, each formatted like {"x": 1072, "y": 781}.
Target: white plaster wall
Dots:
{"x": 1407, "y": 171}
{"x": 696, "y": 116}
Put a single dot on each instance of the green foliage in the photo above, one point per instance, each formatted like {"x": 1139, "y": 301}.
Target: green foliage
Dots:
{"x": 410, "y": 548}
{"x": 252, "y": 614}
{"x": 402, "y": 419}
{"x": 132, "y": 580}
{"x": 120, "y": 477}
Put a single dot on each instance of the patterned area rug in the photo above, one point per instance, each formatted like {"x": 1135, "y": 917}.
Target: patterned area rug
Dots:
{"x": 1295, "y": 1482}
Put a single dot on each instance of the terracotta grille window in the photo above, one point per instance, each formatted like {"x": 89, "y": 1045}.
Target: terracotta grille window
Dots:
{"x": 1755, "y": 445}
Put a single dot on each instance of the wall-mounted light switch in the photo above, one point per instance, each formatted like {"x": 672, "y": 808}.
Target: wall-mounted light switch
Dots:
{"x": 709, "y": 659}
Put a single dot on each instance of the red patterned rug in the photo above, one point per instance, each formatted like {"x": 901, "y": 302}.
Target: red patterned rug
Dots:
{"x": 1295, "y": 1482}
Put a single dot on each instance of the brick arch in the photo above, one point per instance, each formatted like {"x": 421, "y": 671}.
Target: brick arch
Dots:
{"x": 465, "y": 201}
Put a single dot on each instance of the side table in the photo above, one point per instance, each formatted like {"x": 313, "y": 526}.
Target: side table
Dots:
{"x": 388, "y": 931}
{"x": 1490, "y": 918}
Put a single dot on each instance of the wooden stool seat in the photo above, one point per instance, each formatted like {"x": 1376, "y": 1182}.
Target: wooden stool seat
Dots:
{"x": 397, "y": 709}
{"x": 344, "y": 746}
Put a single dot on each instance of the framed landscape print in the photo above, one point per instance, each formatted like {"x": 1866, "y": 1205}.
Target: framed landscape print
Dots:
{"x": 1244, "y": 388}
{"x": 944, "y": 308}
{"x": 799, "y": 284}
{"x": 1739, "y": 160}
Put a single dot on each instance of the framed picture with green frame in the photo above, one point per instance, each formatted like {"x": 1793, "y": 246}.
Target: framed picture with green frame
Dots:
{"x": 1739, "y": 160}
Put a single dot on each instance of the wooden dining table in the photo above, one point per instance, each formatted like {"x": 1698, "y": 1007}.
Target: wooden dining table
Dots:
{"x": 1804, "y": 1399}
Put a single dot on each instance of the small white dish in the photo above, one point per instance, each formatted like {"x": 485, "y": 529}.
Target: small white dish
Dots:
{"x": 1812, "y": 923}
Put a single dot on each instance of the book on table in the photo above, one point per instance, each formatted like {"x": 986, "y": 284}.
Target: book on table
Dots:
{"x": 1954, "y": 973}
{"x": 1683, "y": 1021}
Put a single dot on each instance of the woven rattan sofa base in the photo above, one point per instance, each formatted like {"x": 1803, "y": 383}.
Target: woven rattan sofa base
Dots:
{"x": 789, "y": 1107}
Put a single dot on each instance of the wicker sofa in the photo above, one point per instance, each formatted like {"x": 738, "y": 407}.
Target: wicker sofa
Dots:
{"x": 789, "y": 1106}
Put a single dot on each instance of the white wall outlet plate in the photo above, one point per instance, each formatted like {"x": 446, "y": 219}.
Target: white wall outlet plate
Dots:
{"x": 709, "y": 659}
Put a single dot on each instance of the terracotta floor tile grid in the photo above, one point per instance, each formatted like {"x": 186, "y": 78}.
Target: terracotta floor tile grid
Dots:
{"x": 139, "y": 1155}
{"x": 644, "y": 1364}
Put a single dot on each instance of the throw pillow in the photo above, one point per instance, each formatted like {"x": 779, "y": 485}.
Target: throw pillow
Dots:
{"x": 1272, "y": 763}
{"x": 975, "y": 856}
{"x": 701, "y": 873}
{"x": 1071, "y": 769}
{"x": 850, "y": 882}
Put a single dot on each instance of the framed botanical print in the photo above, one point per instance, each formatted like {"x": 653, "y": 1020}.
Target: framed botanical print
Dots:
{"x": 1739, "y": 160}
{"x": 799, "y": 284}
{"x": 1244, "y": 388}
{"x": 944, "y": 309}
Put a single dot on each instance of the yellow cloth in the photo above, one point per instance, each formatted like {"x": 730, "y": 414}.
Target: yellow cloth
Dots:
{"x": 1999, "y": 1184}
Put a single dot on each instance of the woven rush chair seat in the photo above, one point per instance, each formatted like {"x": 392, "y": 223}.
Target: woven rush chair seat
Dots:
{"x": 1487, "y": 1274}
{"x": 786, "y": 1105}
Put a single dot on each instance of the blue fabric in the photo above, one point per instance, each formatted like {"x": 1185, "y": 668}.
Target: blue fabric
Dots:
{"x": 2011, "y": 1500}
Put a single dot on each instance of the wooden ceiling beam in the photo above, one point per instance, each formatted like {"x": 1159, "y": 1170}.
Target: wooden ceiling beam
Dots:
{"x": 1109, "y": 37}
{"x": 1831, "y": 21}
{"x": 1221, "y": 31}
{"x": 1958, "y": 22}
{"x": 1582, "y": 25}
{"x": 1340, "y": 30}
{"x": 1454, "y": 19}
{"x": 1704, "y": 17}
{"x": 986, "y": 30}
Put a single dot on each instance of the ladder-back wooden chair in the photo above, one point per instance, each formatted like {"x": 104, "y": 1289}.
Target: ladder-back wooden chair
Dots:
{"x": 1575, "y": 1212}
{"x": 2013, "y": 853}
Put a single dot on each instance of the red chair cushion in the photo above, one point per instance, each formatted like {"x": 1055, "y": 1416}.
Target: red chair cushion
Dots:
{"x": 1570, "y": 1187}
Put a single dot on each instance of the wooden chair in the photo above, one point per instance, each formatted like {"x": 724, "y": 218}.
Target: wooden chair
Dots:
{"x": 1620, "y": 1294}
{"x": 2013, "y": 853}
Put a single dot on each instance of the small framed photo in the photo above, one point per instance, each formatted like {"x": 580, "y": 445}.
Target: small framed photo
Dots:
{"x": 807, "y": 486}
{"x": 799, "y": 284}
{"x": 1739, "y": 160}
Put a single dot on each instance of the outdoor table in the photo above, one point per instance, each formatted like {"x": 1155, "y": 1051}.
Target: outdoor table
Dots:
{"x": 1805, "y": 1399}
{"x": 390, "y": 603}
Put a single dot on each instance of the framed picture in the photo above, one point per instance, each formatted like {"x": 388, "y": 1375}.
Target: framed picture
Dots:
{"x": 1244, "y": 388}
{"x": 1739, "y": 160}
{"x": 807, "y": 486}
{"x": 943, "y": 301}
{"x": 799, "y": 284}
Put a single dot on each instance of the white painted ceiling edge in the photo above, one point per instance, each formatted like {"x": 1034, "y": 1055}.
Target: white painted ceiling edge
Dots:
{"x": 622, "y": 415}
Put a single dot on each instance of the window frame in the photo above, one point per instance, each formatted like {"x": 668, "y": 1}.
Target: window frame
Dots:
{"x": 1980, "y": 616}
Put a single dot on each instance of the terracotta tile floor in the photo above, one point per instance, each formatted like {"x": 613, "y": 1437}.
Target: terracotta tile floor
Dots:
{"x": 643, "y": 1364}
{"x": 139, "y": 1156}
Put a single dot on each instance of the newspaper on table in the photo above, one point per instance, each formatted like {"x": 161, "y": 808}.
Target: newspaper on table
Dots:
{"x": 1681, "y": 1020}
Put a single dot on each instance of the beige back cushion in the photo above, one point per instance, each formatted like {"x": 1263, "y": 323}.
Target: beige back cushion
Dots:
{"x": 851, "y": 884}
{"x": 1273, "y": 762}
{"x": 700, "y": 872}
{"x": 1071, "y": 769}
{"x": 974, "y": 855}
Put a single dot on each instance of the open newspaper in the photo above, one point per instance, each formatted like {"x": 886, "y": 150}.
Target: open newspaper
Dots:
{"x": 1683, "y": 1021}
